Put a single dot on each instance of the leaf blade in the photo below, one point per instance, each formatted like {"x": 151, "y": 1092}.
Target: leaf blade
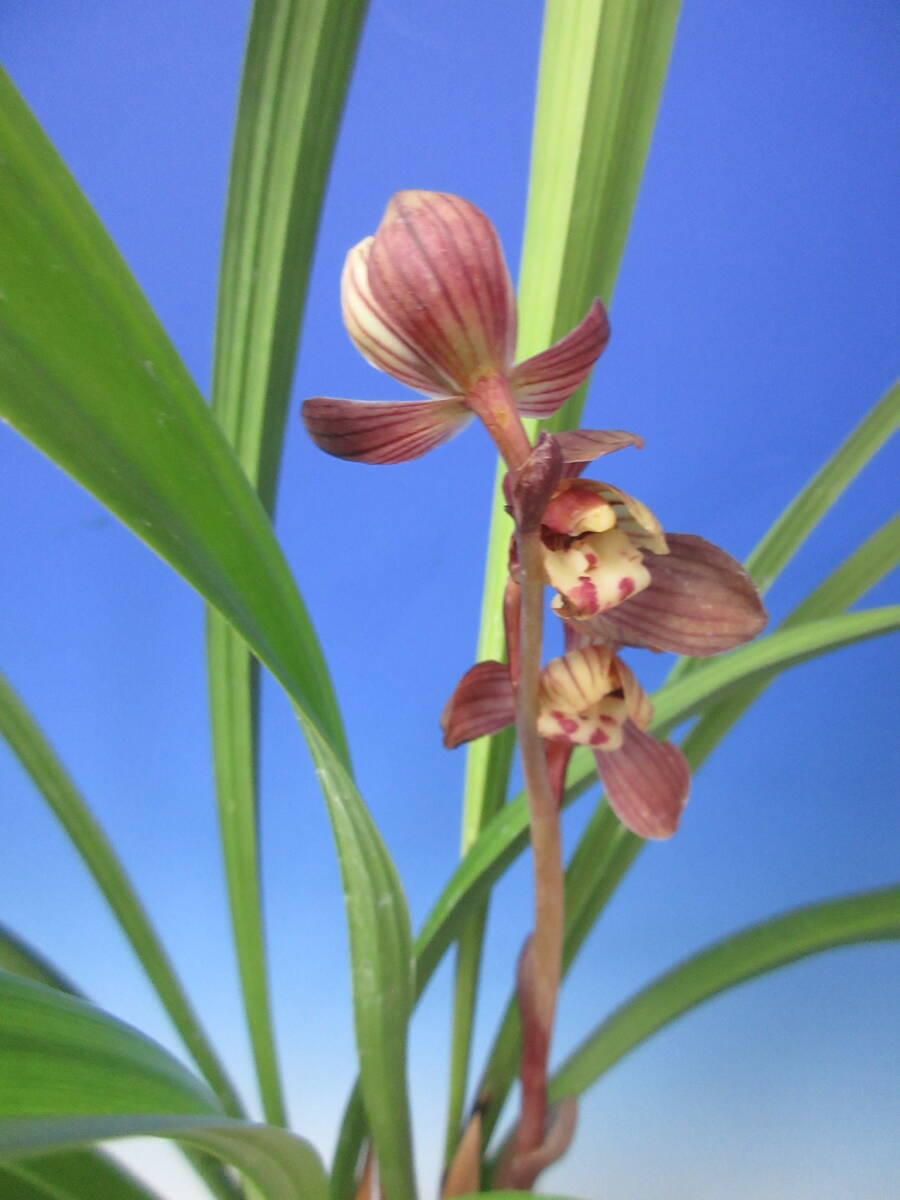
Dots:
{"x": 869, "y": 916}
{"x": 294, "y": 81}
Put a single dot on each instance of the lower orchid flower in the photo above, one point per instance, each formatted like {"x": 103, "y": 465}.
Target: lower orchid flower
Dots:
{"x": 589, "y": 697}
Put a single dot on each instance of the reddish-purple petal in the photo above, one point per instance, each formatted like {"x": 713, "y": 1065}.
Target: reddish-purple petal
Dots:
{"x": 436, "y": 270}
{"x": 700, "y": 602}
{"x": 542, "y": 383}
{"x": 382, "y": 431}
{"x": 581, "y": 446}
{"x": 647, "y": 783}
{"x": 374, "y": 336}
{"x": 482, "y": 703}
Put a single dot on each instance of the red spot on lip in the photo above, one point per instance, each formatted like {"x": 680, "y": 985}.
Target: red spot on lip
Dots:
{"x": 566, "y": 724}
{"x": 584, "y": 596}
{"x": 599, "y": 738}
{"x": 626, "y": 587}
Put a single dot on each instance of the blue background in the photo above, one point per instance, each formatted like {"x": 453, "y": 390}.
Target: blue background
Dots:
{"x": 755, "y": 322}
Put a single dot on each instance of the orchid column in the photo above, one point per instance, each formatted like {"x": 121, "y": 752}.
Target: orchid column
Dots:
{"x": 429, "y": 301}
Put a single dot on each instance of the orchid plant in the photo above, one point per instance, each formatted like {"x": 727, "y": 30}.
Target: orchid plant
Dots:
{"x": 88, "y": 375}
{"x": 429, "y": 301}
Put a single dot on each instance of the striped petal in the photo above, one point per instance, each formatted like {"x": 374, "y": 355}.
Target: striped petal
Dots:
{"x": 700, "y": 601}
{"x": 647, "y": 783}
{"x": 373, "y": 334}
{"x": 382, "y": 431}
{"x": 437, "y": 269}
{"x": 482, "y": 703}
{"x": 542, "y": 383}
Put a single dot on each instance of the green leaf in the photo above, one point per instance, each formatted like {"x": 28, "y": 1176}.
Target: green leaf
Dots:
{"x": 295, "y": 78}
{"x": 602, "y": 68}
{"x": 811, "y": 504}
{"x": 60, "y": 794}
{"x": 61, "y": 1056}
{"x": 802, "y": 515}
{"x": 870, "y": 916}
{"x": 280, "y": 1165}
{"x": 71, "y": 1175}
{"x": 71, "y": 1074}
{"x": 88, "y": 375}
{"x": 18, "y": 958}
{"x": 76, "y": 339}
{"x": 382, "y": 965}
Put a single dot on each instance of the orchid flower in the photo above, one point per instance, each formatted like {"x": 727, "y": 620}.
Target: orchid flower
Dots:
{"x": 619, "y": 581}
{"x": 428, "y": 300}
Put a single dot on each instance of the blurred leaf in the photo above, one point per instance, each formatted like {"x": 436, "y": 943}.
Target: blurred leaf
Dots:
{"x": 280, "y": 1165}
{"x": 61, "y": 1056}
{"x": 18, "y": 958}
{"x": 602, "y": 69}
{"x": 71, "y": 1074}
{"x": 296, "y": 71}
{"x": 71, "y": 1175}
{"x": 60, "y": 794}
{"x": 867, "y": 917}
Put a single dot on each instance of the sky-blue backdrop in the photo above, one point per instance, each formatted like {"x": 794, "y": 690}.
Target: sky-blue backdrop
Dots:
{"x": 755, "y": 322}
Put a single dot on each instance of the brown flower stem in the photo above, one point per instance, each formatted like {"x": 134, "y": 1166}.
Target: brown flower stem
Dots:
{"x": 540, "y": 976}
{"x": 541, "y": 963}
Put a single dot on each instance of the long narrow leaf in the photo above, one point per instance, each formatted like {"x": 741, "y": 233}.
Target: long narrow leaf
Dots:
{"x": 18, "y": 958}
{"x": 801, "y": 516}
{"x": 71, "y": 1074}
{"x": 62, "y": 797}
{"x": 71, "y": 1175}
{"x": 280, "y": 1165}
{"x": 871, "y": 916}
{"x": 382, "y": 962}
{"x": 87, "y": 374}
{"x": 295, "y": 78}
{"x": 794, "y": 525}
{"x": 602, "y": 68}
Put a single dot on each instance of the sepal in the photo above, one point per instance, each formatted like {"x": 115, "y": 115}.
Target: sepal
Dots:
{"x": 700, "y": 601}
{"x": 382, "y": 431}
{"x": 482, "y": 702}
{"x": 646, "y": 782}
{"x": 542, "y": 383}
